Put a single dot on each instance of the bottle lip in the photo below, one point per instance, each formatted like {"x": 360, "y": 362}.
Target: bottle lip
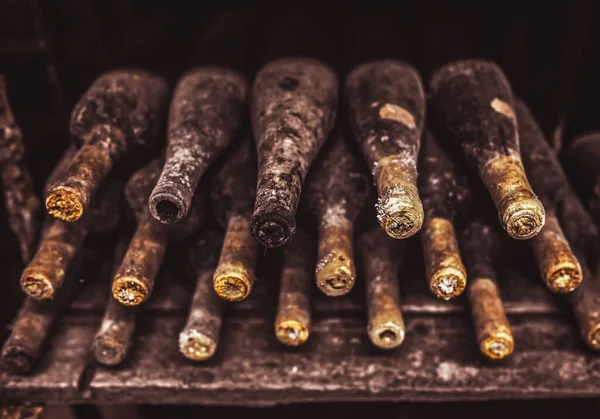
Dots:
{"x": 498, "y": 346}
{"x": 388, "y": 335}
{"x": 108, "y": 350}
{"x": 195, "y": 345}
{"x": 166, "y": 206}
{"x": 272, "y": 229}
{"x": 65, "y": 203}
{"x": 448, "y": 282}
{"x": 37, "y": 284}
{"x": 232, "y": 283}
{"x": 523, "y": 217}
{"x": 130, "y": 290}
{"x": 291, "y": 332}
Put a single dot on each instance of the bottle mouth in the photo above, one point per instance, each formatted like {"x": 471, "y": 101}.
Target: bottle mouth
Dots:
{"x": 167, "y": 211}
{"x": 196, "y": 346}
{"x": 594, "y": 337}
{"x": 272, "y": 230}
{"x": 17, "y": 361}
{"x": 387, "y": 336}
{"x": 448, "y": 283}
{"x": 167, "y": 208}
{"x": 497, "y": 347}
{"x": 64, "y": 204}
{"x": 335, "y": 278}
{"x": 37, "y": 285}
{"x": 565, "y": 278}
{"x": 291, "y": 333}
{"x": 130, "y": 291}
{"x": 524, "y": 219}
{"x": 231, "y": 286}
{"x": 108, "y": 351}
{"x": 400, "y": 216}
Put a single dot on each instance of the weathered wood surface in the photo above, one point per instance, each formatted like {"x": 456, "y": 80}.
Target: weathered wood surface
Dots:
{"x": 55, "y": 379}
{"x": 438, "y": 361}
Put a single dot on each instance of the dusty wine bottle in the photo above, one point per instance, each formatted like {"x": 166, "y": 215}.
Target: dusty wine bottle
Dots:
{"x": 336, "y": 190}
{"x": 104, "y": 214}
{"x": 45, "y": 273}
{"x": 114, "y": 336}
{"x": 386, "y": 107}
{"x": 293, "y": 106}
{"x": 134, "y": 280}
{"x": 474, "y": 105}
{"x": 478, "y": 243}
{"x": 117, "y": 121}
{"x": 558, "y": 265}
{"x": 113, "y": 339}
{"x": 292, "y": 324}
{"x": 206, "y": 113}
{"x": 579, "y": 228}
{"x": 21, "y": 202}
{"x": 199, "y": 338}
{"x": 583, "y": 236}
{"x": 386, "y": 325}
{"x": 446, "y": 196}
{"x": 34, "y": 320}
{"x": 585, "y": 304}
{"x": 233, "y": 199}
{"x": 385, "y": 102}
{"x": 60, "y": 243}
{"x": 581, "y": 161}
{"x": 29, "y": 330}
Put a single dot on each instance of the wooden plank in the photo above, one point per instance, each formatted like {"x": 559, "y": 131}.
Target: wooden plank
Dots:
{"x": 56, "y": 378}
{"x": 439, "y": 361}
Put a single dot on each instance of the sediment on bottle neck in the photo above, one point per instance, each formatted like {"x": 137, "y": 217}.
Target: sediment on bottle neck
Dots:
{"x": 558, "y": 265}
{"x": 445, "y": 272}
{"x": 292, "y": 324}
{"x": 521, "y": 214}
{"x": 335, "y": 270}
{"x": 399, "y": 209}
{"x": 234, "y": 276}
{"x": 492, "y": 329}
{"x": 69, "y": 198}
{"x": 134, "y": 281}
{"x": 45, "y": 273}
